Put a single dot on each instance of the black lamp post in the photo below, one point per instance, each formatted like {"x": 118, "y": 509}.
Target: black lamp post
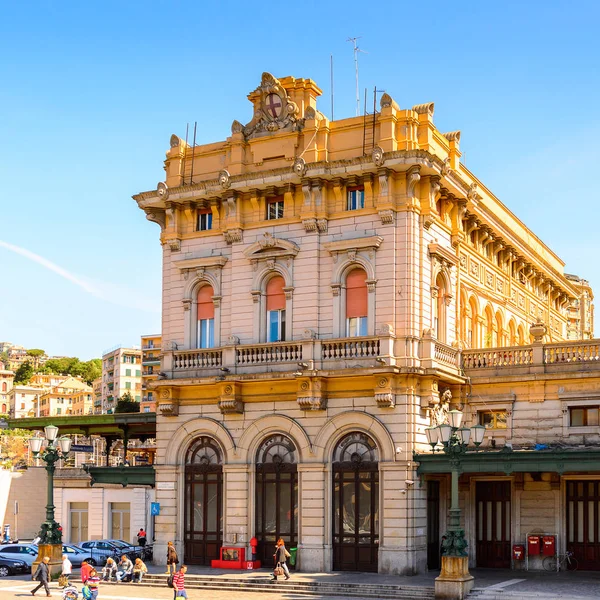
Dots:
{"x": 56, "y": 449}
{"x": 454, "y": 441}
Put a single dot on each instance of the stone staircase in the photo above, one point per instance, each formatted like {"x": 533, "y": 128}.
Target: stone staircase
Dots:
{"x": 263, "y": 585}
{"x": 492, "y": 593}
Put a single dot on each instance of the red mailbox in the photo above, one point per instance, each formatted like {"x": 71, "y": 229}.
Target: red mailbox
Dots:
{"x": 548, "y": 545}
{"x": 518, "y": 552}
{"x": 533, "y": 545}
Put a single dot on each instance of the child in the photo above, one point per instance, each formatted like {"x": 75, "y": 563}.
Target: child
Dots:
{"x": 70, "y": 592}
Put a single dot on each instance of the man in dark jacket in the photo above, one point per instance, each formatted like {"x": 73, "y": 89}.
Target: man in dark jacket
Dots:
{"x": 43, "y": 576}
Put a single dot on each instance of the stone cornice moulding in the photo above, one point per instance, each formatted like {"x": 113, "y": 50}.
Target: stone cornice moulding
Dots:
{"x": 201, "y": 263}
{"x": 371, "y": 242}
{"x": 271, "y": 247}
{"x": 443, "y": 255}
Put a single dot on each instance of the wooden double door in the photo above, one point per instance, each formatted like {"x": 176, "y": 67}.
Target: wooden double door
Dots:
{"x": 493, "y": 524}
{"x": 583, "y": 523}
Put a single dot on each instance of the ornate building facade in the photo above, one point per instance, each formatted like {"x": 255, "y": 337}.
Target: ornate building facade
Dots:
{"x": 320, "y": 280}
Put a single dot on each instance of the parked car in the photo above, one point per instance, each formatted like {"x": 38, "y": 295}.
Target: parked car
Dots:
{"x": 23, "y": 552}
{"x": 12, "y": 566}
{"x": 114, "y": 548}
{"x": 77, "y": 555}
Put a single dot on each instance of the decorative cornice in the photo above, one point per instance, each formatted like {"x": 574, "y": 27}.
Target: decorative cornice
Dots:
{"x": 363, "y": 243}
{"x": 209, "y": 262}
{"x": 271, "y": 247}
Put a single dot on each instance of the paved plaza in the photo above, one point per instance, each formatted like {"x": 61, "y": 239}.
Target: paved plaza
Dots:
{"x": 489, "y": 583}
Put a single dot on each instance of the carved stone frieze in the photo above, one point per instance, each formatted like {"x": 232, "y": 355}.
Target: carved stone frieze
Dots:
{"x": 162, "y": 190}
{"x": 385, "y": 400}
{"x": 386, "y": 216}
{"x": 174, "y": 245}
{"x": 273, "y": 109}
{"x": 224, "y": 179}
{"x": 299, "y": 167}
{"x": 168, "y": 401}
{"x": 231, "y": 406}
{"x": 233, "y": 236}
{"x": 230, "y": 400}
{"x": 237, "y": 127}
{"x": 413, "y": 177}
{"x": 310, "y": 225}
{"x": 311, "y": 393}
{"x": 377, "y": 156}
{"x": 322, "y": 225}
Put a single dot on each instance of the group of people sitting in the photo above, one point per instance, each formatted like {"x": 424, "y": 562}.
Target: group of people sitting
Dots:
{"x": 124, "y": 570}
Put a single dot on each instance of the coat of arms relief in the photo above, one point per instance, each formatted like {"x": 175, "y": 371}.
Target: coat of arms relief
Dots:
{"x": 273, "y": 110}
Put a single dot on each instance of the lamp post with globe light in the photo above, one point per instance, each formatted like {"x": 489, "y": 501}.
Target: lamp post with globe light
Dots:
{"x": 454, "y": 581}
{"x": 50, "y": 543}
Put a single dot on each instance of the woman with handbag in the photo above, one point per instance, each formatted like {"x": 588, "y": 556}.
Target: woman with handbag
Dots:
{"x": 67, "y": 567}
{"x": 172, "y": 558}
{"x": 281, "y": 555}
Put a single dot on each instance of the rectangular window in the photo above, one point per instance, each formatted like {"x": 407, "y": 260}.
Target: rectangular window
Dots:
{"x": 275, "y": 208}
{"x": 138, "y": 373}
{"x": 356, "y": 326}
{"x": 120, "y": 515}
{"x": 493, "y": 419}
{"x": 204, "y": 220}
{"x": 206, "y": 333}
{"x": 146, "y": 409}
{"x": 58, "y": 411}
{"x": 127, "y": 372}
{"x": 585, "y": 416}
{"x": 276, "y": 325}
{"x": 356, "y": 198}
{"x": 128, "y": 385}
{"x": 78, "y": 518}
{"x": 150, "y": 396}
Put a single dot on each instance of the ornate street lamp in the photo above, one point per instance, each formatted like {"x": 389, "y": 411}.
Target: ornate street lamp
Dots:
{"x": 53, "y": 451}
{"x": 454, "y": 439}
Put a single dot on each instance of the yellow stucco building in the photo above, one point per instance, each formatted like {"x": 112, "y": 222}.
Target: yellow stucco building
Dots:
{"x": 323, "y": 282}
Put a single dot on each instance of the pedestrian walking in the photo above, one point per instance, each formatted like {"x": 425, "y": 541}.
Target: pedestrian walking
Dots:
{"x": 139, "y": 568}
{"x": 281, "y": 555}
{"x": 42, "y": 574}
{"x": 85, "y": 571}
{"x": 179, "y": 583}
{"x": 172, "y": 559}
{"x": 141, "y": 537}
{"x": 67, "y": 568}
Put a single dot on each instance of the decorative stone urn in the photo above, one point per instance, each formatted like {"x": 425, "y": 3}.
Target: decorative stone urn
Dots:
{"x": 538, "y": 330}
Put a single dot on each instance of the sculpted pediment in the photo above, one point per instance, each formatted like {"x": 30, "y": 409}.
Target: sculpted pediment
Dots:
{"x": 269, "y": 247}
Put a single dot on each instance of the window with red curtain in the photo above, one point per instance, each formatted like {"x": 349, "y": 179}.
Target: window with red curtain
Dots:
{"x": 4, "y": 386}
{"x": 206, "y": 318}
{"x": 356, "y": 303}
{"x": 275, "y": 306}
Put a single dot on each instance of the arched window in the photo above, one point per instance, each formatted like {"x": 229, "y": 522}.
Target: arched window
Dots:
{"x": 439, "y": 308}
{"x": 356, "y": 303}
{"x": 521, "y": 335}
{"x": 3, "y": 408}
{"x": 4, "y": 386}
{"x": 500, "y": 338}
{"x": 474, "y": 333}
{"x": 275, "y": 303}
{"x": 512, "y": 333}
{"x": 205, "y": 333}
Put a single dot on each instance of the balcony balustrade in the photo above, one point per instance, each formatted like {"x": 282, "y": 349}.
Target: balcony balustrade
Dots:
{"x": 574, "y": 355}
{"x": 332, "y": 354}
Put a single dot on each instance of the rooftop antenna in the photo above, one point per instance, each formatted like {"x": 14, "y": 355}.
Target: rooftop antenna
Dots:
{"x": 331, "y": 71}
{"x": 187, "y": 127}
{"x": 193, "y": 153}
{"x": 356, "y": 51}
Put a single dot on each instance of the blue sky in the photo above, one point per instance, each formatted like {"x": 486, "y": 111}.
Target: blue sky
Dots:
{"x": 92, "y": 91}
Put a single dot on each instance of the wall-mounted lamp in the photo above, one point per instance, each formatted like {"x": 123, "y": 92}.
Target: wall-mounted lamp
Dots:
{"x": 303, "y": 365}
{"x": 381, "y": 360}
{"x": 224, "y": 369}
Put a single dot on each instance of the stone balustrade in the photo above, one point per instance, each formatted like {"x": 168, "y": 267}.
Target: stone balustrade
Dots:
{"x": 536, "y": 356}
{"x": 330, "y": 354}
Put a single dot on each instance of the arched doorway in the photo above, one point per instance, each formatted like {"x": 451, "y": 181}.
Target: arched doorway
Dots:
{"x": 203, "y": 502}
{"x": 355, "y": 504}
{"x": 276, "y": 496}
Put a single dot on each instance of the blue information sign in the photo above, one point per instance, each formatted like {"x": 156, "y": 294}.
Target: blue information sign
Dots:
{"x": 154, "y": 508}
{"x": 81, "y": 448}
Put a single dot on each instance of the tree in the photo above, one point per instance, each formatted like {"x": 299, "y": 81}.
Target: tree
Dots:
{"x": 126, "y": 404}
{"x": 24, "y": 373}
{"x": 36, "y": 352}
{"x": 89, "y": 370}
